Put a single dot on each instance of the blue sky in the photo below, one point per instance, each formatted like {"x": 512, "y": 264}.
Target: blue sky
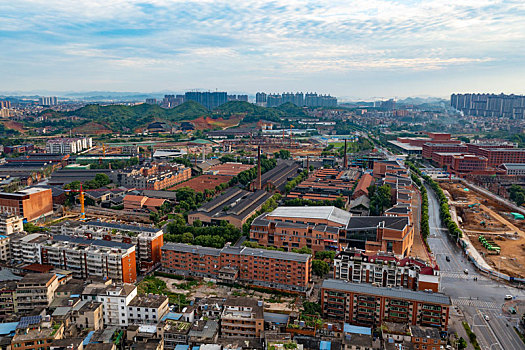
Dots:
{"x": 353, "y": 49}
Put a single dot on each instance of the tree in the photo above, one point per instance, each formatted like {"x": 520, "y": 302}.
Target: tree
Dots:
{"x": 303, "y": 250}
{"x": 325, "y": 254}
{"x": 197, "y": 223}
{"x": 187, "y": 237}
{"x": 310, "y": 308}
{"x": 462, "y": 343}
{"x": 381, "y": 199}
{"x": 320, "y": 268}
{"x": 520, "y": 199}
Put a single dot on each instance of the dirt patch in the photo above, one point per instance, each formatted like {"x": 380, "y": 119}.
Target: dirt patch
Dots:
{"x": 14, "y": 126}
{"x": 203, "y": 182}
{"x": 203, "y": 123}
{"x": 481, "y": 216}
{"x": 92, "y": 128}
{"x": 207, "y": 288}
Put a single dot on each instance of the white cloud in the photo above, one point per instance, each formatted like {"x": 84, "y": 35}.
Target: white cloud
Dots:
{"x": 281, "y": 37}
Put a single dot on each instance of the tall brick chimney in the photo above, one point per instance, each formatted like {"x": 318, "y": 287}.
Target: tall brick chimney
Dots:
{"x": 346, "y": 158}
{"x": 258, "y": 185}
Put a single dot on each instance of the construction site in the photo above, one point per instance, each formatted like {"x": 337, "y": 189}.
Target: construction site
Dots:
{"x": 494, "y": 229}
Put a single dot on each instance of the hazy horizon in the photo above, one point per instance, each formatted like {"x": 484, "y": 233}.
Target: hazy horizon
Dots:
{"x": 359, "y": 50}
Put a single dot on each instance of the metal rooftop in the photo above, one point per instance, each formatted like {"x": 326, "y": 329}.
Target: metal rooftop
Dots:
{"x": 329, "y": 213}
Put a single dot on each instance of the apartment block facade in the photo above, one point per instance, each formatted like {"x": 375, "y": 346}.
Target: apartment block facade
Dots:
{"x": 361, "y": 305}
{"x": 34, "y": 291}
{"x": 266, "y": 268}
{"x": 242, "y": 318}
{"x": 11, "y": 223}
{"x": 153, "y": 177}
{"x": 385, "y": 270}
{"x": 146, "y": 239}
{"x": 91, "y": 257}
{"x": 115, "y": 301}
{"x": 68, "y": 145}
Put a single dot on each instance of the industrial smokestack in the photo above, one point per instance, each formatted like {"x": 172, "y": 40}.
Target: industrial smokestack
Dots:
{"x": 345, "y": 164}
{"x": 307, "y": 163}
{"x": 258, "y": 184}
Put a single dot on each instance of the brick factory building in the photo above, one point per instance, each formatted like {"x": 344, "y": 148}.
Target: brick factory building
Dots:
{"x": 31, "y": 203}
{"x": 329, "y": 228}
{"x": 361, "y": 305}
{"x": 235, "y": 206}
{"x": 317, "y": 228}
{"x": 430, "y": 148}
{"x": 265, "y": 268}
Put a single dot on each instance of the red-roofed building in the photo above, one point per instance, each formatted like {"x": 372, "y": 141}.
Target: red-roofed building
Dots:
{"x": 132, "y": 202}
{"x": 362, "y": 186}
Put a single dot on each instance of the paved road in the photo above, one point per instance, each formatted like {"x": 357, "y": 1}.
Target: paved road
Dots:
{"x": 475, "y": 299}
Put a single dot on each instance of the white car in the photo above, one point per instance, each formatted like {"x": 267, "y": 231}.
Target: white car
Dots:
{"x": 465, "y": 271}
{"x": 508, "y": 297}
{"x": 486, "y": 317}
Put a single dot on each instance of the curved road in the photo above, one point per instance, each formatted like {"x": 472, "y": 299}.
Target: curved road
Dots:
{"x": 476, "y": 299}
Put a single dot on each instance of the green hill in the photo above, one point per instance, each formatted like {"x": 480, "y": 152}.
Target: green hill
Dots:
{"x": 119, "y": 117}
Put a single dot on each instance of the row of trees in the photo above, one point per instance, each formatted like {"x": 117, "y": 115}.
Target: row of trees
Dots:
{"x": 380, "y": 199}
{"x": 300, "y": 202}
{"x": 425, "y": 229}
{"x": 444, "y": 211}
{"x": 207, "y": 236}
{"x": 295, "y": 181}
{"x": 247, "y": 176}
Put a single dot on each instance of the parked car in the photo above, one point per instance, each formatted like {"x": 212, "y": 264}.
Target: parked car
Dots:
{"x": 508, "y": 297}
{"x": 486, "y": 317}
{"x": 447, "y": 258}
{"x": 465, "y": 271}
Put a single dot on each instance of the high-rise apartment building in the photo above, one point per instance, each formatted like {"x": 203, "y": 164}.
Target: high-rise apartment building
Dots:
{"x": 299, "y": 99}
{"x": 210, "y": 100}
{"x": 48, "y": 101}
{"x": 147, "y": 240}
{"x": 490, "y": 105}
{"x": 260, "y": 99}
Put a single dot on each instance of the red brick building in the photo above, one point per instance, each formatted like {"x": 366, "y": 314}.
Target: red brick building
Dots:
{"x": 468, "y": 163}
{"x": 265, "y": 268}
{"x": 358, "y": 304}
{"x": 498, "y": 156}
{"x": 31, "y": 203}
{"x": 317, "y": 228}
{"x": 430, "y": 148}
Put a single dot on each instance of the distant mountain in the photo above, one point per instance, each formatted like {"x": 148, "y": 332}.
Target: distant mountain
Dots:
{"x": 421, "y": 100}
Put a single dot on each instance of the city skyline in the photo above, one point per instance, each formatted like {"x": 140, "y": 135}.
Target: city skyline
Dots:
{"x": 367, "y": 50}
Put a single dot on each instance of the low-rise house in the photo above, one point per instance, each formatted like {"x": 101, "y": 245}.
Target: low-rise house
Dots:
{"x": 35, "y": 291}
{"x": 147, "y": 309}
{"x": 242, "y": 317}
{"x": 36, "y": 333}
{"x": 204, "y": 332}
{"x": 427, "y": 338}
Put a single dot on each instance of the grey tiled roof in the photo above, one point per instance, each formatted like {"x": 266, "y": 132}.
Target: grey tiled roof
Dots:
{"x": 400, "y": 293}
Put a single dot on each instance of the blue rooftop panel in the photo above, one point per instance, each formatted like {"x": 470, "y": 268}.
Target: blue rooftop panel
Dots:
{"x": 325, "y": 345}
{"x": 8, "y": 328}
{"x": 348, "y": 328}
